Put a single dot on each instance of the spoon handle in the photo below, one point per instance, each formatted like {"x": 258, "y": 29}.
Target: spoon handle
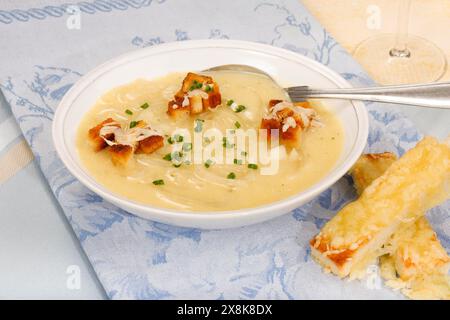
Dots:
{"x": 435, "y": 95}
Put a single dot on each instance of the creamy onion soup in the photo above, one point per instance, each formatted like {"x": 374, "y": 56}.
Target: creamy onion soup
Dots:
{"x": 165, "y": 171}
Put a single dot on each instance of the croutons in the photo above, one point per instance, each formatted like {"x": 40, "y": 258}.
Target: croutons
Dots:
{"x": 290, "y": 119}
{"x": 123, "y": 142}
{"x": 176, "y": 110}
{"x": 120, "y": 154}
{"x": 198, "y": 93}
{"x": 96, "y": 141}
{"x": 150, "y": 144}
{"x": 196, "y": 103}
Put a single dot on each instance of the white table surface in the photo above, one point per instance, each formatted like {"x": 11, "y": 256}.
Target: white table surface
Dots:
{"x": 38, "y": 245}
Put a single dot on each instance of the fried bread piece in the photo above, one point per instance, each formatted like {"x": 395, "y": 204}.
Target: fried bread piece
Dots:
{"x": 150, "y": 144}
{"x": 136, "y": 137}
{"x": 290, "y": 119}
{"x": 97, "y": 142}
{"x": 120, "y": 154}
{"x": 197, "y": 94}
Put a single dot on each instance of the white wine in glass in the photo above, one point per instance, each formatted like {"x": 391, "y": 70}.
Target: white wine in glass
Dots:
{"x": 401, "y": 58}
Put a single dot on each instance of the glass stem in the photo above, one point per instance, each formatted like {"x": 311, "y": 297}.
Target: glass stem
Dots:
{"x": 400, "y": 49}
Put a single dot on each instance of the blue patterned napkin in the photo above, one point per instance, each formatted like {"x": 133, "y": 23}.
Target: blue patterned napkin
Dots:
{"x": 42, "y": 53}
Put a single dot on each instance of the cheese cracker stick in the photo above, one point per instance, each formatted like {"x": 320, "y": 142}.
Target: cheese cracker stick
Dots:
{"x": 417, "y": 262}
{"x": 415, "y": 183}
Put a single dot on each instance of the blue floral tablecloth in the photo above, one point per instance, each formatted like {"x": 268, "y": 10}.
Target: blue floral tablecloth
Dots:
{"x": 48, "y": 45}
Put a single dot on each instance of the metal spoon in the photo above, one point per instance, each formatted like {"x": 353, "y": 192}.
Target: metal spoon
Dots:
{"x": 433, "y": 95}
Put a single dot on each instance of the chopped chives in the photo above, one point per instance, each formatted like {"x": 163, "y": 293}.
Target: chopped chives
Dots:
{"x": 226, "y": 144}
{"x": 198, "y": 125}
{"x": 133, "y": 124}
{"x": 170, "y": 140}
{"x": 244, "y": 153}
{"x": 177, "y": 165}
{"x": 208, "y": 88}
{"x": 237, "y": 161}
{"x": 176, "y": 155}
{"x": 231, "y": 175}
{"x": 187, "y": 146}
{"x": 237, "y": 124}
{"x": 239, "y": 108}
{"x": 159, "y": 182}
{"x": 178, "y": 138}
{"x": 129, "y": 112}
{"x": 252, "y": 166}
{"x": 208, "y": 163}
{"x": 230, "y": 102}
{"x": 195, "y": 85}
{"x": 145, "y": 106}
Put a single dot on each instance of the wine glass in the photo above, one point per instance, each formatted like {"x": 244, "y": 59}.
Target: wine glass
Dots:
{"x": 401, "y": 58}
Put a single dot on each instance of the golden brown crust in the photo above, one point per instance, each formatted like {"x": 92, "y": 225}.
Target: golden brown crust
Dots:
{"x": 175, "y": 109}
{"x": 196, "y": 103}
{"x": 368, "y": 168}
{"x": 339, "y": 256}
{"x": 214, "y": 98}
{"x": 120, "y": 154}
{"x": 274, "y": 102}
{"x": 96, "y": 141}
{"x": 380, "y": 156}
{"x": 415, "y": 255}
{"x": 150, "y": 144}
{"x": 409, "y": 187}
{"x": 191, "y": 77}
{"x": 417, "y": 251}
{"x": 290, "y": 137}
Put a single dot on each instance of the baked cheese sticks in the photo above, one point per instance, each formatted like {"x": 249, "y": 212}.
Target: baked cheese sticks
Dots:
{"x": 415, "y": 183}
{"x": 415, "y": 262}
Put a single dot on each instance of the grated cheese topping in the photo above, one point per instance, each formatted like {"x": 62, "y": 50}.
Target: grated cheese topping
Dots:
{"x": 289, "y": 122}
{"x": 307, "y": 115}
{"x": 128, "y": 136}
{"x": 197, "y": 92}
{"x": 416, "y": 182}
{"x": 234, "y": 106}
{"x": 185, "y": 102}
